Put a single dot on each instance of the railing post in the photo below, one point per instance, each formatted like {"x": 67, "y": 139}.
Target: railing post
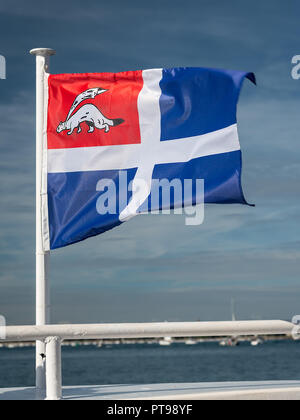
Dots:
{"x": 53, "y": 369}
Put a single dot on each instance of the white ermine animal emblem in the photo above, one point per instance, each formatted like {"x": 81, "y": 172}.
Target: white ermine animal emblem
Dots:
{"x": 88, "y": 114}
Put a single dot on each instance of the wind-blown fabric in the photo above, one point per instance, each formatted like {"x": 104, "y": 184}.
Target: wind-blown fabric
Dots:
{"x": 147, "y": 125}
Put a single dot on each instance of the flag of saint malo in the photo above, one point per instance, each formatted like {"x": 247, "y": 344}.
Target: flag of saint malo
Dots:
{"x": 159, "y": 124}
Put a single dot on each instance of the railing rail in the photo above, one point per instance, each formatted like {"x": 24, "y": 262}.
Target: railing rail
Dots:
{"x": 147, "y": 330}
{"x": 53, "y": 335}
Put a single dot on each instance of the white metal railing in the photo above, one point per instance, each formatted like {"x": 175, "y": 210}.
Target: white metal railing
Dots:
{"x": 53, "y": 335}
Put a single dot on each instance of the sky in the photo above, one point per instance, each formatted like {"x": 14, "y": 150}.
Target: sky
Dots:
{"x": 154, "y": 268}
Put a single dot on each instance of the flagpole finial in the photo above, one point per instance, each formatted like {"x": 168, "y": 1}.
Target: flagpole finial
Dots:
{"x": 43, "y": 51}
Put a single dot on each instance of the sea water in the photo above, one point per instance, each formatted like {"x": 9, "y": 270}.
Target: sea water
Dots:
{"x": 151, "y": 363}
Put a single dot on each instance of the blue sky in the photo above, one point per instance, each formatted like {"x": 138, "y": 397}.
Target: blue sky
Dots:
{"x": 155, "y": 267}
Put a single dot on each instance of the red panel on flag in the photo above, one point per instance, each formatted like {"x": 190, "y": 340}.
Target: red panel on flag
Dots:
{"x": 93, "y": 109}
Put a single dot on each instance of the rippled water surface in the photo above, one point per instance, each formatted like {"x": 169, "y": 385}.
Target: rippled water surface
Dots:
{"x": 151, "y": 363}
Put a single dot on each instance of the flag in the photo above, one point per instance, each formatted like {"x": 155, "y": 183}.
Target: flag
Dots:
{"x": 111, "y": 136}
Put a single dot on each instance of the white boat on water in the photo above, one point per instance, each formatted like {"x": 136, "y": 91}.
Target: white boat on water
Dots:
{"x": 231, "y": 341}
{"x": 256, "y": 342}
{"x": 166, "y": 341}
{"x": 190, "y": 342}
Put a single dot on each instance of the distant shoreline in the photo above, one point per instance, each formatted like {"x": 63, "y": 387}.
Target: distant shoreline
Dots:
{"x": 182, "y": 340}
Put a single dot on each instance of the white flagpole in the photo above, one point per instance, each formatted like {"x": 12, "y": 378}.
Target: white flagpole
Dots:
{"x": 42, "y": 257}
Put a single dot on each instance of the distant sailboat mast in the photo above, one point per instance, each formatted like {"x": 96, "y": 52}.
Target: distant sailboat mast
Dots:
{"x": 233, "y": 317}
